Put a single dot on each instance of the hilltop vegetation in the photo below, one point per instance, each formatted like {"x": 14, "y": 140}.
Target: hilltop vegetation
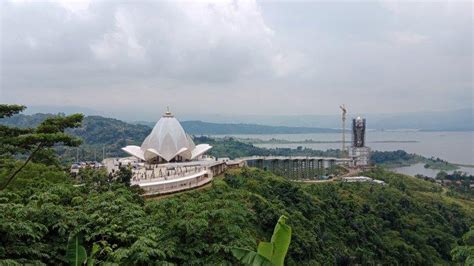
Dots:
{"x": 94, "y": 130}
{"x": 409, "y": 221}
{"x": 206, "y": 128}
{"x": 99, "y": 135}
{"x": 196, "y": 127}
{"x": 191, "y": 127}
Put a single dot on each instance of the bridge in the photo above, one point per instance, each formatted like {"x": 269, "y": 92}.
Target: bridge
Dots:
{"x": 294, "y": 167}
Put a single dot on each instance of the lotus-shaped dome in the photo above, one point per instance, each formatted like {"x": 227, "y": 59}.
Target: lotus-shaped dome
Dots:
{"x": 166, "y": 142}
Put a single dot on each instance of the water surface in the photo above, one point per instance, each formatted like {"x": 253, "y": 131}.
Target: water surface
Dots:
{"x": 420, "y": 169}
{"x": 454, "y": 147}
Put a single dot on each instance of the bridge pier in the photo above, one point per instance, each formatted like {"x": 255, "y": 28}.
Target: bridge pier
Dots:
{"x": 294, "y": 167}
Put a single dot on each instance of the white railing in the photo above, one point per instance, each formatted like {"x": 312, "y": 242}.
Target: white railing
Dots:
{"x": 161, "y": 173}
{"x": 175, "y": 185}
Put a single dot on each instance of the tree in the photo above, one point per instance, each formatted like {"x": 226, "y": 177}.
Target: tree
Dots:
{"x": 7, "y": 110}
{"x": 441, "y": 175}
{"x": 28, "y": 142}
{"x": 10, "y": 132}
{"x": 124, "y": 176}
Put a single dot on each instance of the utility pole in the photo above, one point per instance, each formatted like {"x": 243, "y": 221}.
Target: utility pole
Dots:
{"x": 344, "y": 112}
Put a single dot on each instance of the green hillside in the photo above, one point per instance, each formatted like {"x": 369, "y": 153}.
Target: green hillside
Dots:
{"x": 206, "y": 128}
{"x": 99, "y": 135}
{"x": 191, "y": 127}
{"x": 94, "y": 129}
{"x": 409, "y": 221}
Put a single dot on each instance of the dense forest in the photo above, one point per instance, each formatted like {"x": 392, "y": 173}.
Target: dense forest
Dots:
{"x": 408, "y": 221}
{"x": 206, "y": 128}
{"x": 100, "y": 135}
{"x": 196, "y": 127}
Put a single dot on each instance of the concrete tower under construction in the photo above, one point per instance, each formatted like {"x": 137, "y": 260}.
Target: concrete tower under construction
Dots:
{"x": 359, "y": 153}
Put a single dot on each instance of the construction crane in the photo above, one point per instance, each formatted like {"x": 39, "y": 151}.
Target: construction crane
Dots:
{"x": 344, "y": 112}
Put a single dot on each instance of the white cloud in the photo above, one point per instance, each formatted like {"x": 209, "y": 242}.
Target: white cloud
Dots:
{"x": 121, "y": 42}
{"x": 407, "y": 38}
{"x": 235, "y": 56}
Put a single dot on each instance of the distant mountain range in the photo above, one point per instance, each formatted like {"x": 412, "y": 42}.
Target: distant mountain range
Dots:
{"x": 452, "y": 120}
{"x": 455, "y": 120}
{"x": 96, "y": 129}
{"x": 207, "y": 128}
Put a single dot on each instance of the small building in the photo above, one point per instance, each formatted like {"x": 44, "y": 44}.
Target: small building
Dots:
{"x": 353, "y": 179}
{"x": 77, "y": 166}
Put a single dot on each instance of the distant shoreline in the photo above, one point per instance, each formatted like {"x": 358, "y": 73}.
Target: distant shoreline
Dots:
{"x": 464, "y": 165}
{"x": 311, "y": 141}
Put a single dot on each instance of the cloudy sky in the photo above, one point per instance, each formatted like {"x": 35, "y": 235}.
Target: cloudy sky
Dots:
{"x": 237, "y": 57}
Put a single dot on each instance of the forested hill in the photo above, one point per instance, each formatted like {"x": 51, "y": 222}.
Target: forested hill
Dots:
{"x": 206, "y": 128}
{"x": 99, "y": 134}
{"x": 406, "y": 222}
{"x": 192, "y": 127}
{"x": 94, "y": 129}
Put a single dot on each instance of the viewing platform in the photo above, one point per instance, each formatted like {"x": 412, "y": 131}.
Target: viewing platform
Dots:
{"x": 160, "y": 186}
{"x": 166, "y": 178}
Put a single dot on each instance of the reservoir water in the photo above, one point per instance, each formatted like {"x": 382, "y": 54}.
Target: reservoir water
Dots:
{"x": 419, "y": 168}
{"x": 454, "y": 147}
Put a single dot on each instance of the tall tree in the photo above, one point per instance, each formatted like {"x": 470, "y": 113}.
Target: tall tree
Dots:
{"x": 30, "y": 141}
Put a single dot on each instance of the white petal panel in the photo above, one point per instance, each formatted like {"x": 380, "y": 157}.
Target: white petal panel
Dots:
{"x": 199, "y": 150}
{"x": 134, "y": 151}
